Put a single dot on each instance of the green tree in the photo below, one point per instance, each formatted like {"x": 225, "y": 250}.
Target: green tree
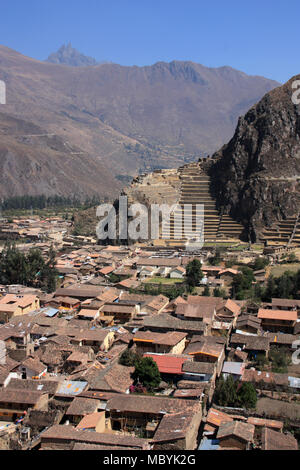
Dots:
{"x": 48, "y": 275}
{"x": 206, "y": 291}
{"x": 242, "y": 283}
{"x": 285, "y": 285}
{"x": 174, "y": 292}
{"x": 193, "y": 274}
{"x": 247, "y": 396}
{"x": 30, "y": 270}
{"x": 225, "y": 391}
{"x": 260, "y": 263}
{"x": 280, "y": 359}
{"x": 258, "y": 292}
{"x": 35, "y": 262}
{"x": 146, "y": 372}
{"x": 128, "y": 358}
{"x": 219, "y": 292}
{"x": 13, "y": 266}
{"x": 292, "y": 258}
{"x": 261, "y": 361}
{"x": 270, "y": 290}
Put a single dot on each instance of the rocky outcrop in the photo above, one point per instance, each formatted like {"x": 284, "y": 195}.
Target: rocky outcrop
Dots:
{"x": 67, "y": 55}
{"x": 256, "y": 176}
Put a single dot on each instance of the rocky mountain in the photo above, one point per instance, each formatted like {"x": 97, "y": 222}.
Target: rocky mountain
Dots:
{"x": 67, "y": 55}
{"x": 256, "y": 176}
{"x": 122, "y": 120}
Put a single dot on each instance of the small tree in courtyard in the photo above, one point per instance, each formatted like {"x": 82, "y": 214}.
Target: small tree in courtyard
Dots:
{"x": 146, "y": 372}
{"x": 247, "y": 396}
{"x": 193, "y": 274}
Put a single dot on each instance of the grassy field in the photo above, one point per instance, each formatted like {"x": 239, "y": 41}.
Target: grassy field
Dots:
{"x": 277, "y": 271}
{"x": 233, "y": 246}
{"x": 239, "y": 247}
{"x": 221, "y": 244}
{"x": 257, "y": 246}
{"x": 278, "y": 409}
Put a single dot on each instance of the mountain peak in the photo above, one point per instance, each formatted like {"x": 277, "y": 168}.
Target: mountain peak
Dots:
{"x": 67, "y": 55}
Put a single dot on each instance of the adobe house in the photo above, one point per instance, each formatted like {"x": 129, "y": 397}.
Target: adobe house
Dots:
{"x": 213, "y": 421}
{"x": 278, "y": 320}
{"x": 80, "y": 407}
{"x": 229, "y": 312}
{"x": 77, "y": 359}
{"x": 211, "y": 270}
{"x": 165, "y": 322}
{"x": 32, "y": 368}
{"x": 248, "y": 324}
{"x": 273, "y": 440}
{"x": 156, "y": 305}
{"x": 44, "y": 385}
{"x": 17, "y": 340}
{"x": 252, "y": 345}
{"x": 170, "y": 343}
{"x": 14, "y": 404}
{"x": 199, "y": 371}
{"x": 282, "y": 340}
{"x": 236, "y": 435}
{"x": 68, "y": 303}
{"x": 228, "y": 275}
{"x": 204, "y": 349}
{"x": 93, "y": 422}
{"x": 81, "y": 293}
{"x": 120, "y": 313}
{"x": 12, "y": 305}
{"x": 177, "y": 273}
{"x": 286, "y": 304}
{"x": 177, "y": 431}
{"x": 187, "y": 311}
{"x": 129, "y": 412}
{"x": 60, "y": 437}
{"x": 88, "y": 314}
{"x": 98, "y": 339}
{"x": 261, "y": 423}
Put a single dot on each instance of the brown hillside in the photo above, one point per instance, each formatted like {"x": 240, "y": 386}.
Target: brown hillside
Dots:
{"x": 129, "y": 119}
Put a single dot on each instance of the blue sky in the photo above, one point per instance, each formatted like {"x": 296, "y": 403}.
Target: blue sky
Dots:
{"x": 257, "y": 37}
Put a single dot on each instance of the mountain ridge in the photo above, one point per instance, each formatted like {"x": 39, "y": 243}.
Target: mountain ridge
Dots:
{"x": 130, "y": 119}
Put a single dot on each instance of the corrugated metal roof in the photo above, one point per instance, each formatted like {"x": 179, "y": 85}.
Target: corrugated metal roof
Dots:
{"x": 233, "y": 367}
{"x": 209, "y": 444}
{"x": 50, "y": 311}
{"x": 294, "y": 382}
{"x": 71, "y": 387}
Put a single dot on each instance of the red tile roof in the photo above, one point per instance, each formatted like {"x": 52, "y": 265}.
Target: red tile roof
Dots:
{"x": 168, "y": 364}
{"x": 267, "y": 313}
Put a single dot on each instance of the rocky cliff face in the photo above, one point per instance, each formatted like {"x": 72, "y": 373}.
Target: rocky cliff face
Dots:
{"x": 256, "y": 176}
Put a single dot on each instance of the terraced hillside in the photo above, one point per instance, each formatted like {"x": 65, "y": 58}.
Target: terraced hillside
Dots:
{"x": 284, "y": 232}
{"x": 195, "y": 191}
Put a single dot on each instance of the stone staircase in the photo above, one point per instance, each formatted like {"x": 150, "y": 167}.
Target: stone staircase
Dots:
{"x": 195, "y": 190}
